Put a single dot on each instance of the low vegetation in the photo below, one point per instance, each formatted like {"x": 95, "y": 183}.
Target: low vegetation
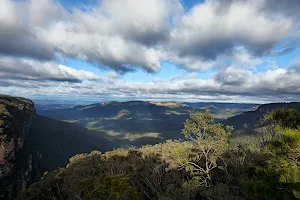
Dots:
{"x": 209, "y": 164}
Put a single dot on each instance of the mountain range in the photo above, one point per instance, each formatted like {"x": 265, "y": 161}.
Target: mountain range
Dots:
{"x": 34, "y": 141}
{"x": 140, "y": 122}
{"x": 255, "y": 118}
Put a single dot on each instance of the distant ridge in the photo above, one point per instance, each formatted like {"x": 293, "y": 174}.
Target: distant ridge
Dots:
{"x": 141, "y": 122}
{"x": 252, "y": 119}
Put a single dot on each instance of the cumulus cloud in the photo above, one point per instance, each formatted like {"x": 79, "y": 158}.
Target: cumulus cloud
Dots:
{"x": 143, "y": 21}
{"x": 25, "y": 69}
{"x": 230, "y": 36}
{"x": 232, "y": 76}
{"x": 18, "y": 38}
{"x": 207, "y": 32}
{"x": 272, "y": 82}
{"x": 191, "y": 62}
{"x": 44, "y": 13}
{"x": 289, "y": 8}
{"x": 107, "y": 51}
{"x": 294, "y": 67}
{"x": 229, "y": 84}
{"x": 114, "y": 34}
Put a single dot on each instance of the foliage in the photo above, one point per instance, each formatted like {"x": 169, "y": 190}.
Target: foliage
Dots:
{"x": 281, "y": 177}
{"x": 286, "y": 117}
{"x": 210, "y": 141}
{"x": 264, "y": 184}
{"x": 48, "y": 188}
{"x": 108, "y": 188}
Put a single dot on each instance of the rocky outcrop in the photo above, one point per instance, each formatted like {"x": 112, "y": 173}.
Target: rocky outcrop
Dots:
{"x": 16, "y": 160}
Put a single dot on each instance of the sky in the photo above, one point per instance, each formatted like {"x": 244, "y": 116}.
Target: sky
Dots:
{"x": 164, "y": 50}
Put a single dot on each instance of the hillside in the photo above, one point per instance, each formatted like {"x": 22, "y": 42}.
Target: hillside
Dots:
{"x": 57, "y": 141}
{"x": 30, "y": 144}
{"x": 222, "y": 111}
{"x": 140, "y": 122}
{"x": 252, "y": 119}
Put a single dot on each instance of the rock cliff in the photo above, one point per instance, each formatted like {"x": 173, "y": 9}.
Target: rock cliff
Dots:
{"x": 16, "y": 160}
{"x": 31, "y": 144}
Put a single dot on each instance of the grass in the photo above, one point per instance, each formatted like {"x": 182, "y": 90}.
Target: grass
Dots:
{"x": 134, "y": 137}
{"x": 112, "y": 133}
{"x": 172, "y": 112}
{"x": 72, "y": 121}
{"x": 120, "y": 115}
{"x": 88, "y": 107}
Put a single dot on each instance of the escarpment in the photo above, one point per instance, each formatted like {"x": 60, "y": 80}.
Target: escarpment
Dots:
{"x": 16, "y": 160}
{"x": 31, "y": 144}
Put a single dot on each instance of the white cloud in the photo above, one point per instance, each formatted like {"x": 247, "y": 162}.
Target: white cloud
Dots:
{"x": 18, "y": 38}
{"x": 208, "y": 31}
{"x": 229, "y": 84}
{"x": 230, "y": 36}
{"x": 114, "y": 34}
{"x": 42, "y": 13}
{"x": 107, "y": 51}
{"x": 25, "y": 69}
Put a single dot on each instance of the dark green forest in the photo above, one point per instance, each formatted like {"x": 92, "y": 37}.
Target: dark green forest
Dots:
{"x": 210, "y": 163}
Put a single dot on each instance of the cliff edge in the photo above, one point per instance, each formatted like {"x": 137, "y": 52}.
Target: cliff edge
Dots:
{"x": 15, "y": 120}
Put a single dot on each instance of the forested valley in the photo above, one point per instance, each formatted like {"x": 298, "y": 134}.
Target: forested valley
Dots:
{"x": 211, "y": 162}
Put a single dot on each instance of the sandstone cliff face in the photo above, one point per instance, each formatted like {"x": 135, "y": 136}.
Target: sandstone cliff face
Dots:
{"x": 15, "y": 160}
